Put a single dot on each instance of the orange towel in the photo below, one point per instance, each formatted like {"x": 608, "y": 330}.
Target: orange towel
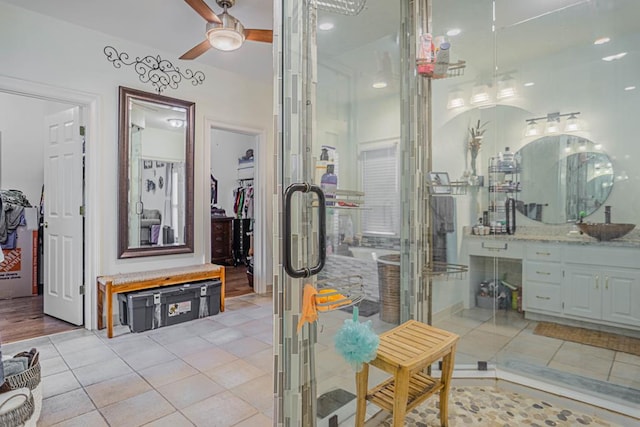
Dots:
{"x": 333, "y": 296}
{"x": 309, "y": 310}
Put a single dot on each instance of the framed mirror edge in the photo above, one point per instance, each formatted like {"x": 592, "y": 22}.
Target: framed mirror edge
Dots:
{"x": 125, "y": 95}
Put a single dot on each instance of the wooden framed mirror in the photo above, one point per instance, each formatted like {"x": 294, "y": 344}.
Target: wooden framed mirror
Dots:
{"x": 155, "y": 161}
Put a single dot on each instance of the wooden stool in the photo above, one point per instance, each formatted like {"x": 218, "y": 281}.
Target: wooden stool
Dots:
{"x": 405, "y": 351}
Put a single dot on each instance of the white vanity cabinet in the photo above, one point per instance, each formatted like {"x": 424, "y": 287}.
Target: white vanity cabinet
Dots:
{"x": 594, "y": 283}
{"x": 602, "y": 293}
{"x": 542, "y": 273}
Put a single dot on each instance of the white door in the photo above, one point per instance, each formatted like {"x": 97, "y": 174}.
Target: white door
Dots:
{"x": 63, "y": 237}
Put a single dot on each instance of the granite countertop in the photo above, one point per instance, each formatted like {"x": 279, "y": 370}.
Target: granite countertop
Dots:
{"x": 558, "y": 234}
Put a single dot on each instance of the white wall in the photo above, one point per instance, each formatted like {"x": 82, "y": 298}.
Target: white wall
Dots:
{"x": 22, "y": 145}
{"x": 162, "y": 144}
{"x": 226, "y": 148}
{"x": 43, "y": 50}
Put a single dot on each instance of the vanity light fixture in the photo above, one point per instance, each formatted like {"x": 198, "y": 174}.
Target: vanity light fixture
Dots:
{"x": 572, "y": 124}
{"x": 455, "y": 99}
{"x": 532, "y": 128}
{"x": 553, "y": 123}
{"x": 506, "y": 87}
{"x": 479, "y": 94}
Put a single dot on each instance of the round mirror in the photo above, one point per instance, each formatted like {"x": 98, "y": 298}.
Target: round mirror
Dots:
{"x": 561, "y": 176}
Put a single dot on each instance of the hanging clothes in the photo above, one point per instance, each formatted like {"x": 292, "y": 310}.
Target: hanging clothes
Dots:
{"x": 243, "y": 200}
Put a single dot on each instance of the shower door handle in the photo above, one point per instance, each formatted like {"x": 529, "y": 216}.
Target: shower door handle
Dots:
{"x": 322, "y": 224}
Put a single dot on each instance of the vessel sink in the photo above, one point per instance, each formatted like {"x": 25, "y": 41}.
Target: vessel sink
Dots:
{"x": 603, "y": 231}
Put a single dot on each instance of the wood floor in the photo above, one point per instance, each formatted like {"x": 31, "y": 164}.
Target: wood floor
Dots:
{"x": 23, "y": 318}
{"x": 236, "y": 282}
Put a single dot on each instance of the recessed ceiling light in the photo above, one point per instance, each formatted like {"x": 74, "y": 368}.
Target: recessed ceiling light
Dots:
{"x": 614, "y": 57}
{"x": 630, "y": 88}
{"x": 529, "y": 84}
{"x": 454, "y": 32}
{"x": 602, "y": 40}
{"x": 326, "y": 26}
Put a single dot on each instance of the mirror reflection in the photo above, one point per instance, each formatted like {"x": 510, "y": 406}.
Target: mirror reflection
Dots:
{"x": 156, "y": 176}
{"x": 562, "y": 176}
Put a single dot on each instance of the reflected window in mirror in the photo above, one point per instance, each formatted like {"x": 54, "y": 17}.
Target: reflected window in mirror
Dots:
{"x": 561, "y": 176}
{"x": 156, "y": 146}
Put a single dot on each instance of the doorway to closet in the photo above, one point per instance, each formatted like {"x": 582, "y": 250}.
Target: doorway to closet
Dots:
{"x": 232, "y": 176}
{"x": 30, "y": 284}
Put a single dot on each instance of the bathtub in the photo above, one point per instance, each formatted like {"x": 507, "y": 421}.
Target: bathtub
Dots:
{"x": 370, "y": 253}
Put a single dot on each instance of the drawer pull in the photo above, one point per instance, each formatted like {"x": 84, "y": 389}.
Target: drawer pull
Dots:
{"x": 543, "y": 253}
{"x": 597, "y": 282}
{"x": 494, "y": 248}
{"x": 606, "y": 282}
{"x": 545, "y": 273}
{"x": 545, "y": 298}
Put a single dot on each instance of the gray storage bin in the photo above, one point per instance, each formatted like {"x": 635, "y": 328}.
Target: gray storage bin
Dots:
{"x": 170, "y": 305}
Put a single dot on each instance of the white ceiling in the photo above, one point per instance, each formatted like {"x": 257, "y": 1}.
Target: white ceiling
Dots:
{"x": 527, "y": 29}
{"x": 169, "y": 26}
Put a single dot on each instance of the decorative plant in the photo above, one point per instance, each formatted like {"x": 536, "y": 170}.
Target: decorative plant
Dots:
{"x": 475, "y": 143}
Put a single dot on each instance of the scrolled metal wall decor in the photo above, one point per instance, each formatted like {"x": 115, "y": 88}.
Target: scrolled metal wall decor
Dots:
{"x": 152, "y": 69}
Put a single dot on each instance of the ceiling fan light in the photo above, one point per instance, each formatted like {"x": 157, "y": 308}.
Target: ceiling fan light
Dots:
{"x": 227, "y": 36}
{"x": 224, "y": 39}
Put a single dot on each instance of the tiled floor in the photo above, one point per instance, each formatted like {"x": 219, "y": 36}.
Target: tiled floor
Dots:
{"x": 508, "y": 337}
{"x": 217, "y": 371}
{"x": 210, "y": 372}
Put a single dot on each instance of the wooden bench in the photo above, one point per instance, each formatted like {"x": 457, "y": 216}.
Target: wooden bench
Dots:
{"x": 110, "y": 285}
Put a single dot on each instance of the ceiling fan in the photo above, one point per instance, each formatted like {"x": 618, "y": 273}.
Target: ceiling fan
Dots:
{"x": 224, "y": 32}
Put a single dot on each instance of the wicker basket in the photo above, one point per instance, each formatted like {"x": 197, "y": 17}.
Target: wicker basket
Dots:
{"x": 30, "y": 379}
{"x": 389, "y": 287}
{"x": 20, "y": 415}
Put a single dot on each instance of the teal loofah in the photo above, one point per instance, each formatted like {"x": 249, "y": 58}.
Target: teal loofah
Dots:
{"x": 356, "y": 341}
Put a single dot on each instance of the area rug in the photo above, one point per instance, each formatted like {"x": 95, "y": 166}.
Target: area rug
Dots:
{"x": 493, "y": 407}
{"x": 366, "y": 308}
{"x": 590, "y": 337}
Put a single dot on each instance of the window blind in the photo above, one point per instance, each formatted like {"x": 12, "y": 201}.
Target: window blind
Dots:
{"x": 381, "y": 190}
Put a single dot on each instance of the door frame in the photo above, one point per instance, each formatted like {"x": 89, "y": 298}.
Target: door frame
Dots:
{"x": 89, "y": 104}
{"x": 261, "y": 273}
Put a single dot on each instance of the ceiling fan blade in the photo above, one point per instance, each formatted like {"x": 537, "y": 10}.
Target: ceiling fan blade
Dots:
{"x": 197, "y": 50}
{"x": 265, "y": 36}
{"x": 203, "y": 10}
